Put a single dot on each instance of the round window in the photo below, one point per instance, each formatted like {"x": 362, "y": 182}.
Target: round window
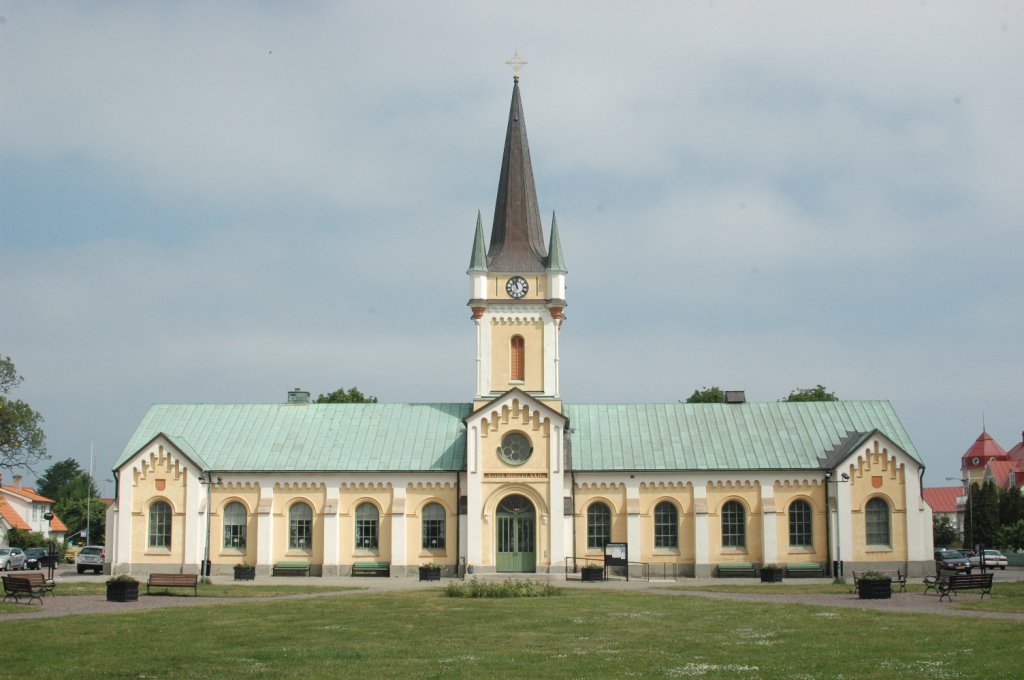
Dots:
{"x": 515, "y": 448}
{"x": 976, "y": 460}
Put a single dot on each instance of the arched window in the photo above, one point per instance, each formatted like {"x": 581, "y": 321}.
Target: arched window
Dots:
{"x": 300, "y": 527}
{"x": 666, "y": 525}
{"x": 599, "y": 526}
{"x": 518, "y": 358}
{"x": 876, "y": 516}
{"x": 433, "y": 526}
{"x": 367, "y": 524}
{"x": 734, "y": 526}
{"x": 234, "y": 525}
{"x": 800, "y": 524}
{"x": 160, "y": 525}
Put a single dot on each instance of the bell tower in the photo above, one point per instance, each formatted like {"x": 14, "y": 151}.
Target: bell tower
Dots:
{"x": 517, "y": 285}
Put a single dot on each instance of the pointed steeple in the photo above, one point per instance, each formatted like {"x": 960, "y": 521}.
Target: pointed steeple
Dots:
{"x": 555, "y": 261}
{"x": 517, "y": 239}
{"x": 478, "y": 260}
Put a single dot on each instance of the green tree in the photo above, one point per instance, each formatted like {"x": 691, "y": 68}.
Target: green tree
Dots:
{"x": 707, "y": 395}
{"x": 19, "y": 538}
{"x": 1013, "y": 536}
{"x": 58, "y": 476}
{"x": 982, "y": 516}
{"x": 75, "y": 495}
{"x": 1011, "y": 506}
{"x": 22, "y": 442}
{"x": 343, "y": 396}
{"x": 943, "y": 531}
{"x": 818, "y": 393}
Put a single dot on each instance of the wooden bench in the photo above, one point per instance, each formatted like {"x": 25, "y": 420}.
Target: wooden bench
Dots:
{"x": 173, "y": 581}
{"x": 371, "y": 569}
{"x": 18, "y": 586}
{"x": 957, "y": 582}
{"x": 804, "y": 569}
{"x": 897, "y": 577}
{"x": 736, "y": 569}
{"x": 291, "y": 569}
{"x": 38, "y": 580}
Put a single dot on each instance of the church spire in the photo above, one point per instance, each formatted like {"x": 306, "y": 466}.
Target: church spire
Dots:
{"x": 556, "y": 263}
{"x": 478, "y": 260}
{"x": 517, "y": 239}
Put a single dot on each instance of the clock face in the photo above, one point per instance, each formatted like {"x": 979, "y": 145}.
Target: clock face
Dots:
{"x": 517, "y": 287}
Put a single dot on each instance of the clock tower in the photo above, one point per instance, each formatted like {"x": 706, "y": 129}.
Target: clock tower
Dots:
{"x": 517, "y": 285}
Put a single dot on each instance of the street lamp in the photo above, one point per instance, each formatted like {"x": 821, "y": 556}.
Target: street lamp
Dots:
{"x": 207, "y": 479}
{"x": 837, "y": 564}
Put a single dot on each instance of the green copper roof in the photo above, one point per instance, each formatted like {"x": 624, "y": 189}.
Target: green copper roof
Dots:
{"x": 311, "y": 437}
{"x": 478, "y": 260}
{"x": 432, "y": 437}
{"x": 749, "y": 436}
{"x": 556, "y": 262}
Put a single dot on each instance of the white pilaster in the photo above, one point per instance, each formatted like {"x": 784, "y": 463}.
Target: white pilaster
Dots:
{"x": 474, "y": 499}
{"x": 399, "y": 555}
{"x": 556, "y": 484}
{"x": 265, "y": 526}
{"x": 332, "y": 551}
{"x": 634, "y": 528}
{"x": 123, "y": 542}
{"x": 195, "y": 518}
{"x": 769, "y": 523}
{"x": 701, "y": 550}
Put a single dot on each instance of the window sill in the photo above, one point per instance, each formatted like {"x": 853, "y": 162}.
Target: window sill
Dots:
{"x": 666, "y": 551}
{"x": 801, "y": 550}
{"x": 733, "y": 550}
{"x": 233, "y": 552}
{"x": 433, "y": 552}
{"x": 298, "y": 552}
{"x": 158, "y": 551}
{"x": 366, "y": 552}
{"x": 878, "y": 549}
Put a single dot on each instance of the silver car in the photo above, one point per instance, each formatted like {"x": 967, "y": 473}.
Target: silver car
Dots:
{"x": 992, "y": 559}
{"x": 91, "y": 557}
{"x": 12, "y": 558}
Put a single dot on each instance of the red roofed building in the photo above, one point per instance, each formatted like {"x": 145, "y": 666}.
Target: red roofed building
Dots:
{"x": 1005, "y": 473}
{"x": 973, "y": 462}
{"x": 949, "y": 501}
{"x": 1017, "y": 452}
{"x": 22, "y": 508}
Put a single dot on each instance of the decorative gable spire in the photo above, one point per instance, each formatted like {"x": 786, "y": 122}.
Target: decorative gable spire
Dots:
{"x": 478, "y": 259}
{"x": 555, "y": 261}
{"x": 517, "y": 239}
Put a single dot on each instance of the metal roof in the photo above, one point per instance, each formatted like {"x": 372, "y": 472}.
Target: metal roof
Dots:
{"x": 750, "y": 436}
{"x": 431, "y": 437}
{"x": 310, "y": 437}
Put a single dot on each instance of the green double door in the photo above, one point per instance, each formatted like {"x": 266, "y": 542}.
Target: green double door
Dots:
{"x": 517, "y": 535}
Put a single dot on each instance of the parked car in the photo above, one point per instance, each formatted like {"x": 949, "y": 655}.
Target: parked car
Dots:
{"x": 12, "y": 558}
{"x": 993, "y": 559}
{"x": 36, "y": 558}
{"x": 91, "y": 557}
{"x": 951, "y": 560}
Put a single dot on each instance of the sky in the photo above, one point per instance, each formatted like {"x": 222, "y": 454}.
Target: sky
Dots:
{"x": 218, "y": 202}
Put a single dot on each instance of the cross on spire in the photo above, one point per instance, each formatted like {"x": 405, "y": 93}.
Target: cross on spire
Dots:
{"x": 516, "y": 62}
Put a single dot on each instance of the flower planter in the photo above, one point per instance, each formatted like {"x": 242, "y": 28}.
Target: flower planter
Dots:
{"x": 593, "y": 574}
{"x": 769, "y": 575}
{"x": 122, "y": 591}
{"x": 430, "y": 573}
{"x": 245, "y": 573}
{"x": 874, "y": 590}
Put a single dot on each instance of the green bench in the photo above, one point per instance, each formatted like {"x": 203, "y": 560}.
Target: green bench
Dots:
{"x": 371, "y": 569}
{"x": 805, "y": 569}
{"x": 736, "y": 569}
{"x": 291, "y": 569}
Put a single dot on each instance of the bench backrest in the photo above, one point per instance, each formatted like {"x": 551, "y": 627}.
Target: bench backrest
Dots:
{"x": 172, "y": 579}
{"x": 967, "y": 580}
{"x": 18, "y": 583}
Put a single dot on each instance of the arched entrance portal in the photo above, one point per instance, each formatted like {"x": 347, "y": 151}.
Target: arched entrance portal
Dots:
{"x": 517, "y": 531}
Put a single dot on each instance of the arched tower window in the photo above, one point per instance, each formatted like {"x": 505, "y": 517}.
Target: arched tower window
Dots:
{"x": 800, "y": 533}
{"x": 160, "y": 525}
{"x": 300, "y": 527}
{"x": 876, "y": 517}
{"x": 234, "y": 525}
{"x": 734, "y": 526}
{"x": 666, "y": 525}
{"x": 518, "y": 358}
{"x": 599, "y": 526}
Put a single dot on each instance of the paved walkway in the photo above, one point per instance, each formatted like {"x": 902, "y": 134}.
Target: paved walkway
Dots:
{"x": 917, "y": 603}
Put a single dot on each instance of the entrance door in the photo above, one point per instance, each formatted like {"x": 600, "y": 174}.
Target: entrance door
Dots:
{"x": 516, "y": 538}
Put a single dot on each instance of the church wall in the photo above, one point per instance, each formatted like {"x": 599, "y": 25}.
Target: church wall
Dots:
{"x": 380, "y": 495}
{"x": 419, "y": 496}
{"x": 612, "y": 494}
{"x": 875, "y": 473}
{"x": 285, "y": 496}
{"x": 813, "y": 493}
{"x": 222, "y": 495}
{"x": 532, "y": 332}
{"x": 158, "y": 476}
{"x": 748, "y": 495}
{"x": 680, "y": 494}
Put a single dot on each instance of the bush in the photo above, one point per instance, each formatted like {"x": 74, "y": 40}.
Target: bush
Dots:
{"x": 513, "y": 588}
{"x": 122, "y": 578}
{"x": 875, "y": 576}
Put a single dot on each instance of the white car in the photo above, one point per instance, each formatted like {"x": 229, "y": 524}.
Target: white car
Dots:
{"x": 12, "y": 558}
{"x": 993, "y": 559}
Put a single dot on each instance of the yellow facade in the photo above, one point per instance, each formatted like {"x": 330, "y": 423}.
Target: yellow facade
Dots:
{"x": 418, "y": 497}
{"x": 532, "y": 333}
{"x": 812, "y": 493}
{"x": 248, "y": 495}
{"x": 160, "y": 477}
{"x": 877, "y": 474}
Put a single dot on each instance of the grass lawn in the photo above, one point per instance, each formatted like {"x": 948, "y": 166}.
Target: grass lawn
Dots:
{"x": 585, "y": 634}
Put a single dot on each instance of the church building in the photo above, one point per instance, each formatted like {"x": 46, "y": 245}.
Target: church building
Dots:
{"x": 515, "y": 480}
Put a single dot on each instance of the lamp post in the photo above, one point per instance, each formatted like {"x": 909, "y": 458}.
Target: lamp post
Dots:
{"x": 970, "y": 506}
{"x": 837, "y": 564}
{"x": 53, "y": 548}
{"x": 207, "y": 479}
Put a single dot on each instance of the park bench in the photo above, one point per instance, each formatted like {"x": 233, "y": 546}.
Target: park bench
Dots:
{"x": 804, "y": 569}
{"x": 736, "y": 569}
{"x": 982, "y": 582}
{"x": 898, "y": 578}
{"x": 932, "y": 582}
{"x": 294, "y": 568}
{"x": 173, "y": 581}
{"x": 39, "y": 581}
{"x": 18, "y": 586}
{"x": 371, "y": 569}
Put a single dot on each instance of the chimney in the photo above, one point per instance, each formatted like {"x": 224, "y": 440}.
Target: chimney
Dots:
{"x": 735, "y": 397}
{"x": 298, "y": 396}
{"x": 17, "y": 481}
